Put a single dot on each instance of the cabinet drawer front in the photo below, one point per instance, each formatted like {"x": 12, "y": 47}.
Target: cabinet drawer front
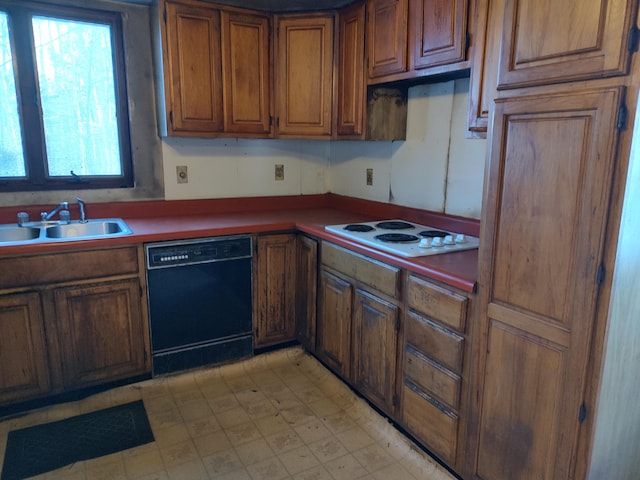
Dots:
{"x": 438, "y": 303}
{"x": 435, "y": 341}
{"x": 432, "y": 377}
{"x": 431, "y": 423}
{"x": 62, "y": 267}
{"x": 384, "y": 278}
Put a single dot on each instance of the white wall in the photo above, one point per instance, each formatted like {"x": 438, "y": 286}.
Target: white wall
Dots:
{"x": 435, "y": 168}
{"x": 244, "y": 168}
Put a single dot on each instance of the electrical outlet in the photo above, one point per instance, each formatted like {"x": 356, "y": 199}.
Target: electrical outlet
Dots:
{"x": 369, "y": 176}
{"x": 279, "y": 172}
{"x": 182, "y": 175}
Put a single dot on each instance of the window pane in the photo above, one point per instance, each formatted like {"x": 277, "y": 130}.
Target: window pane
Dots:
{"x": 75, "y": 71}
{"x": 11, "y": 155}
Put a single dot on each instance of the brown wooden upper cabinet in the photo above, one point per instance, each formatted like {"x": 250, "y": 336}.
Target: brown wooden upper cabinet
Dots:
{"x": 546, "y": 41}
{"x": 437, "y": 32}
{"x": 217, "y": 77}
{"x": 192, "y": 70}
{"x": 487, "y": 23}
{"x": 538, "y": 48}
{"x": 387, "y": 37}
{"x": 352, "y": 89}
{"x": 304, "y": 75}
{"x": 245, "y": 73}
{"x": 413, "y": 38}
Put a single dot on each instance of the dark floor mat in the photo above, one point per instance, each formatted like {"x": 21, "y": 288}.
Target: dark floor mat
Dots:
{"x": 34, "y": 450}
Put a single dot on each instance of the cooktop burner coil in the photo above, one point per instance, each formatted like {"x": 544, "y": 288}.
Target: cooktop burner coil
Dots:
{"x": 433, "y": 233}
{"x": 394, "y": 225}
{"x": 358, "y": 227}
{"x": 396, "y": 238}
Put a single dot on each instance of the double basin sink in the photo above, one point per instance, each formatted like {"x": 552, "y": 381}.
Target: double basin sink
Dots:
{"x": 40, "y": 232}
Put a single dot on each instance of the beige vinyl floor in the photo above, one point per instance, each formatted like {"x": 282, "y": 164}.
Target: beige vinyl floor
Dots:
{"x": 280, "y": 415}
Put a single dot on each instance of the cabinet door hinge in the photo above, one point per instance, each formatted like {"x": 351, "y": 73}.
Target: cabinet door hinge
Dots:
{"x": 467, "y": 41}
{"x": 395, "y": 401}
{"x": 164, "y": 15}
{"x": 582, "y": 415}
{"x": 397, "y": 323}
{"x": 141, "y": 292}
{"x": 622, "y": 116}
{"x": 634, "y": 39}
{"x": 171, "y": 117}
{"x": 145, "y": 355}
{"x": 601, "y": 274}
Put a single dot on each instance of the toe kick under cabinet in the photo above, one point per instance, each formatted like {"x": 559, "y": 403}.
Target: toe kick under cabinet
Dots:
{"x": 71, "y": 320}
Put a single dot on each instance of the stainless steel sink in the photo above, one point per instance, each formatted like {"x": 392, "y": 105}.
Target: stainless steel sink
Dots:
{"x": 40, "y": 232}
{"x": 13, "y": 233}
{"x": 92, "y": 229}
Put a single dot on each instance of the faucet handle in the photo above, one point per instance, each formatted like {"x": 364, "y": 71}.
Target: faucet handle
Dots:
{"x": 23, "y": 218}
{"x": 81, "y": 205}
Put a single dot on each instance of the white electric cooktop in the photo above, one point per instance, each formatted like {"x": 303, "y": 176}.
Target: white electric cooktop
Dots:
{"x": 403, "y": 238}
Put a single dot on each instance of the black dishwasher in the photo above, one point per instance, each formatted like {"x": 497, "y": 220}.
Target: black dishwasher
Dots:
{"x": 200, "y": 302}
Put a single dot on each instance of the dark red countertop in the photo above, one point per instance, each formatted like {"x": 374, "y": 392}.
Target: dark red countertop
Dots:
{"x": 162, "y": 221}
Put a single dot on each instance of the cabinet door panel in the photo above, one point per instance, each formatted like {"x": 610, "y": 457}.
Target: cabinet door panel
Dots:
{"x": 276, "y": 277}
{"x": 101, "y": 332}
{"x": 245, "y": 69}
{"x": 436, "y": 32}
{"x": 333, "y": 340}
{"x": 484, "y": 74}
{"x": 306, "y": 291}
{"x": 551, "y": 166}
{"x": 375, "y": 326}
{"x": 305, "y": 75}
{"x": 352, "y": 90}
{"x": 387, "y": 37}
{"x": 433, "y": 424}
{"x": 432, "y": 377}
{"x": 23, "y": 355}
{"x": 441, "y": 344}
{"x": 447, "y": 307}
{"x": 194, "y": 64}
{"x": 546, "y": 41}
{"x": 522, "y": 406}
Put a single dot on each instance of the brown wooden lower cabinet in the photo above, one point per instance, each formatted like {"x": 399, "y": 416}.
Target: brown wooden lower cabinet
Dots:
{"x": 374, "y": 345}
{"x": 433, "y": 370}
{"x": 275, "y": 286}
{"x": 333, "y": 335}
{"x": 101, "y": 332}
{"x": 358, "y": 323}
{"x": 431, "y": 422}
{"x": 306, "y": 291}
{"x": 404, "y": 353}
{"x": 81, "y": 322}
{"x": 23, "y": 355}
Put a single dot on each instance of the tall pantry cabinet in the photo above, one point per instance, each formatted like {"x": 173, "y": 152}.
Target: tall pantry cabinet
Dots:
{"x": 558, "y": 144}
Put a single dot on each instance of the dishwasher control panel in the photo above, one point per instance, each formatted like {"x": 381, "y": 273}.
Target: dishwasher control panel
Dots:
{"x": 189, "y": 252}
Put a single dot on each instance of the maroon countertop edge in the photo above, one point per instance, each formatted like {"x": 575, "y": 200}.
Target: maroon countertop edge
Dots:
{"x": 160, "y": 220}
